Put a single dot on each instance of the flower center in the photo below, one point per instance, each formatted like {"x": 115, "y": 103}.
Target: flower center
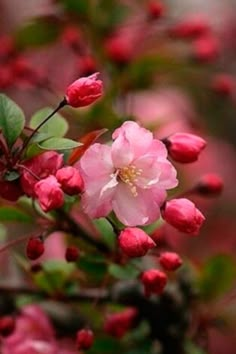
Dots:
{"x": 128, "y": 175}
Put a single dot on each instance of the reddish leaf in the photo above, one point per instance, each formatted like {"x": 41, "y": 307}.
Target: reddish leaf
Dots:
{"x": 86, "y": 140}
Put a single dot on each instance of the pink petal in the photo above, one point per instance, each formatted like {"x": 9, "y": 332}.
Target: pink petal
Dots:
{"x": 137, "y": 210}
{"x": 122, "y": 154}
{"x": 139, "y": 138}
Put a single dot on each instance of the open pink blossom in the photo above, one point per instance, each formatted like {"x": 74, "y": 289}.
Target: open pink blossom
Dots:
{"x": 130, "y": 176}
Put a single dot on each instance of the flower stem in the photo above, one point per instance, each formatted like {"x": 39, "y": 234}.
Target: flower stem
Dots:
{"x": 25, "y": 144}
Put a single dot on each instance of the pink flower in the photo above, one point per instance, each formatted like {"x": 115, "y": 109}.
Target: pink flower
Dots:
{"x": 183, "y": 215}
{"x": 155, "y": 9}
{"x": 170, "y": 260}
{"x": 135, "y": 242}
{"x": 154, "y": 281}
{"x": 49, "y": 193}
{"x": 41, "y": 166}
{"x": 130, "y": 176}
{"x": 185, "y": 147}
{"x": 84, "y": 91}
{"x": 70, "y": 180}
{"x": 206, "y": 48}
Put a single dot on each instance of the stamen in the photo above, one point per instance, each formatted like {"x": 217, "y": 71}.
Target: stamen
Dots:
{"x": 128, "y": 175}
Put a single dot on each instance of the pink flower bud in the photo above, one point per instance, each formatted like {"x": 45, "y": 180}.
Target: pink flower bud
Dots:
{"x": 49, "y": 193}
{"x": 70, "y": 180}
{"x": 154, "y": 281}
{"x": 7, "y": 326}
{"x": 72, "y": 254}
{"x": 118, "y": 324}
{"x": 6, "y": 76}
{"x": 184, "y": 147}
{"x": 170, "y": 261}
{"x": 7, "y": 46}
{"x": 134, "y": 242}
{"x": 84, "y": 339}
{"x": 41, "y": 166}
{"x": 34, "y": 248}
{"x": 183, "y": 215}
{"x": 155, "y": 9}
{"x": 206, "y": 48}
{"x": 223, "y": 84}
{"x": 84, "y": 91}
{"x": 210, "y": 185}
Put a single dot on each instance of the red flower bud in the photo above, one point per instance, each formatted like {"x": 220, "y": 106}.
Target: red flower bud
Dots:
{"x": 84, "y": 91}
{"x": 155, "y": 9}
{"x": 210, "y": 185}
{"x": 223, "y": 84}
{"x": 35, "y": 248}
{"x": 134, "y": 242}
{"x": 7, "y": 46}
{"x": 206, "y": 49}
{"x": 118, "y": 324}
{"x": 71, "y": 36}
{"x": 72, "y": 254}
{"x": 11, "y": 191}
{"x": 70, "y": 180}
{"x": 6, "y": 76}
{"x": 170, "y": 261}
{"x": 184, "y": 147}
{"x": 41, "y": 166}
{"x": 190, "y": 28}
{"x": 87, "y": 65}
{"x": 84, "y": 339}
{"x": 154, "y": 281}
{"x": 7, "y": 326}
{"x": 183, "y": 215}
{"x": 119, "y": 49}
{"x": 49, "y": 193}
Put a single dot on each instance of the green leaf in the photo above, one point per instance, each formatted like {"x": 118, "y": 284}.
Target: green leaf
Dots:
{"x": 217, "y": 276}
{"x": 124, "y": 272}
{"x": 94, "y": 266}
{"x": 55, "y": 126}
{"x": 12, "y": 214}
{"x": 40, "y": 31}
{"x": 79, "y": 7}
{"x": 59, "y": 144}
{"x": 55, "y": 275}
{"x": 12, "y": 119}
{"x": 107, "y": 232}
{"x": 11, "y": 176}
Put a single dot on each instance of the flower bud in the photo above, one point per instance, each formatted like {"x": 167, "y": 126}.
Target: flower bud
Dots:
{"x": 118, "y": 324}
{"x": 70, "y": 180}
{"x": 7, "y": 326}
{"x": 84, "y": 339}
{"x": 189, "y": 28}
{"x": 154, "y": 281}
{"x": 49, "y": 193}
{"x": 72, "y": 254}
{"x": 35, "y": 248}
{"x": 84, "y": 91}
{"x": 206, "y": 48}
{"x": 210, "y": 185}
{"x": 87, "y": 65}
{"x": 184, "y": 147}
{"x": 119, "y": 49}
{"x": 155, "y": 9}
{"x": 11, "y": 191}
{"x": 223, "y": 84}
{"x": 170, "y": 261}
{"x": 41, "y": 166}
{"x": 183, "y": 215}
{"x": 134, "y": 242}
